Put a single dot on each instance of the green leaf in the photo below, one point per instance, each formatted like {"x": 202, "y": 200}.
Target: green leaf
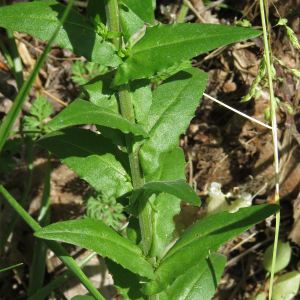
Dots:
{"x": 203, "y": 236}
{"x": 104, "y": 208}
{"x": 172, "y": 167}
{"x": 81, "y": 150}
{"x": 178, "y": 188}
{"x": 143, "y": 9}
{"x": 125, "y": 281}
{"x": 117, "y": 136}
{"x": 153, "y": 4}
{"x": 200, "y": 282}
{"x": 14, "y": 266}
{"x": 78, "y": 72}
{"x": 167, "y": 206}
{"x": 84, "y": 72}
{"x": 164, "y": 45}
{"x": 41, "y": 108}
{"x": 95, "y": 235}
{"x": 59, "y": 250}
{"x": 141, "y": 96}
{"x": 171, "y": 71}
{"x": 13, "y": 145}
{"x": 173, "y": 106}
{"x": 98, "y": 92}
{"x": 133, "y": 230}
{"x": 130, "y": 22}
{"x": 31, "y": 123}
{"x": 82, "y": 112}
{"x": 40, "y": 19}
{"x": 96, "y": 11}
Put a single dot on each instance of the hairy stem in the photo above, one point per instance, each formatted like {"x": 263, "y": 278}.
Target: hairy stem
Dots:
{"x": 136, "y": 172}
{"x": 126, "y": 106}
{"x": 113, "y": 20}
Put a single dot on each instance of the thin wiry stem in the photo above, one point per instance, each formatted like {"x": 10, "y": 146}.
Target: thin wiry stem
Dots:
{"x": 274, "y": 134}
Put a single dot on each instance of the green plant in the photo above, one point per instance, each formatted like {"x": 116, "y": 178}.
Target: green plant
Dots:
{"x": 10, "y": 267}
{"x": 283, "y": 257}
{"x": 286, "y": 286}
{"x": 101, "y": 207}
{"x": 40, "y": 110}
{"x": 136, "y": 158}
{"x": 83, "y": 73}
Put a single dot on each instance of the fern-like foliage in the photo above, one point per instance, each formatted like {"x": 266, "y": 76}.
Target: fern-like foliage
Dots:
{"x": 40, "y": 110}
{"x": 83, "y": 73}
{"x": 101, "y": 207}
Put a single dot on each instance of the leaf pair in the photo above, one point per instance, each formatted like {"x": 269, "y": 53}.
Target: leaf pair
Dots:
{"x": 182, "y": 262}
{"x": 160, "y": 48}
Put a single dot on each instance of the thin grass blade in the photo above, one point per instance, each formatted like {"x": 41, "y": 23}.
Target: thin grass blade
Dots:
{"x": 61, "y": 253}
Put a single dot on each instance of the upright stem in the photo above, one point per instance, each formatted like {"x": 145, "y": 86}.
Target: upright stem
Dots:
{"x": 112, "y": 16}
{"x": 113, "y": 23}
{"x": 182, "y": 13}
{"x": 113, "y": 20}
{"x": 275, "y": 138}
{"x": 128, "y": 114}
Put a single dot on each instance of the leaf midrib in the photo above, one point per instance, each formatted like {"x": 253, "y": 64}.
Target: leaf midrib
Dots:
{"x": 96, "y": 236}
{"x": 177, "y": 42}
{"x": 135, "y": 129}
{"x": 187, "y": 244}
{"x": 170, "y": 104}
{"x": 56, "y": 21}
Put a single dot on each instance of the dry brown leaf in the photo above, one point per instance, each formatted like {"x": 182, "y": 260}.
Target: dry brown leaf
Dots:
{"x": 29, "y": 62}
{"x": 3, "y": 66}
